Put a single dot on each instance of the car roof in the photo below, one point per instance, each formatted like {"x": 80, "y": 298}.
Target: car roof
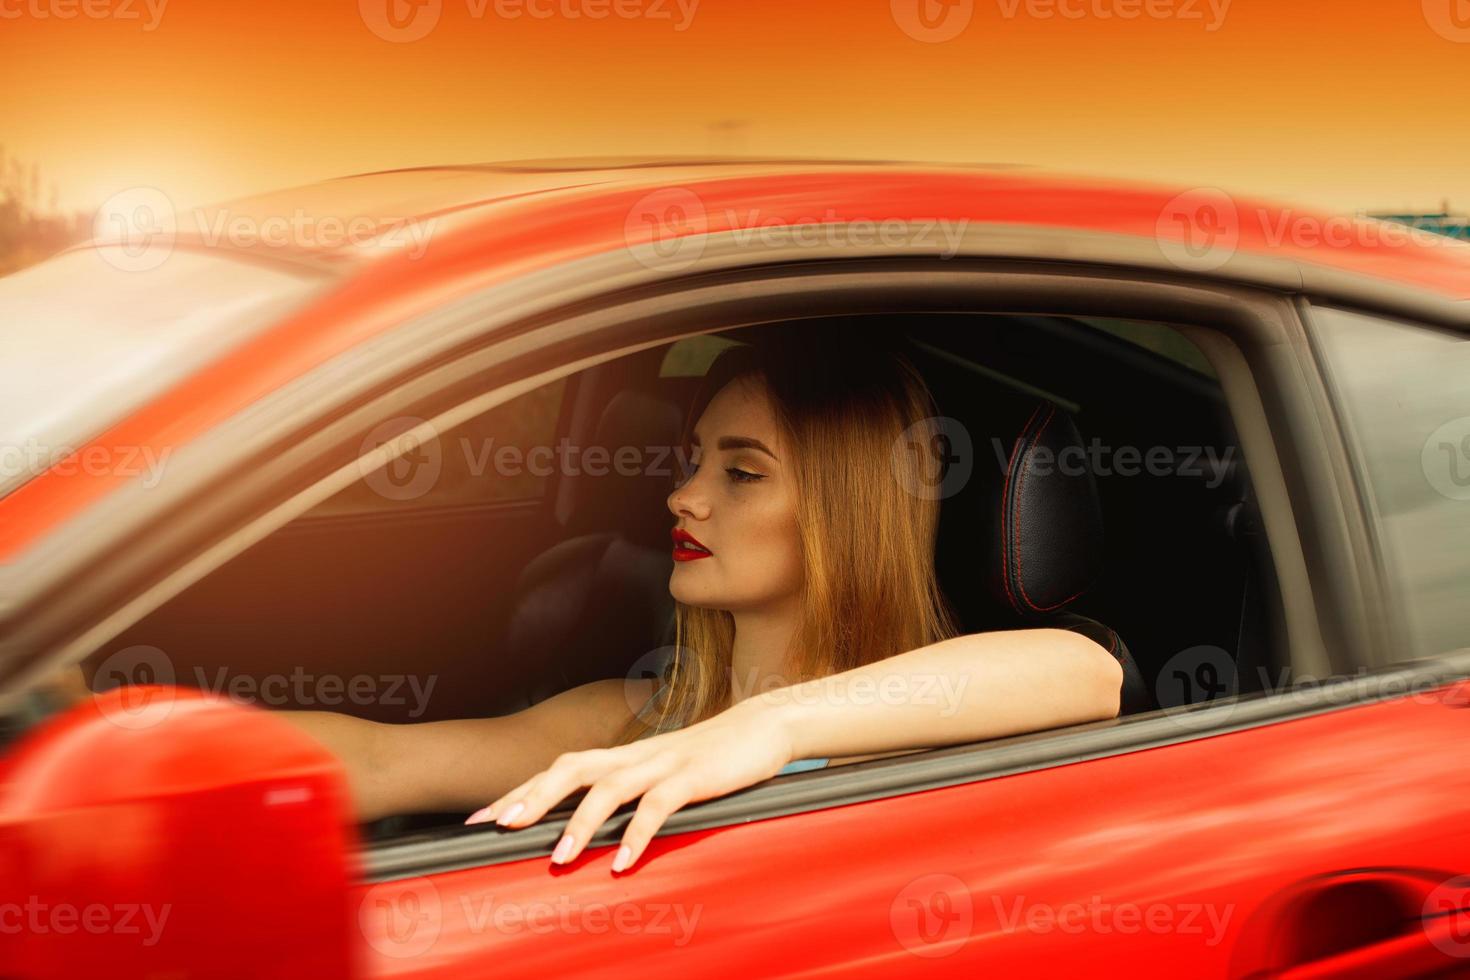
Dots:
{"x": 444, "y": 201}
{"x": 455, "y": 197}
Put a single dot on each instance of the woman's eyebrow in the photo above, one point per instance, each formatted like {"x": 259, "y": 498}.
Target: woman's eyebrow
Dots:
{"x": 738, "y": 442}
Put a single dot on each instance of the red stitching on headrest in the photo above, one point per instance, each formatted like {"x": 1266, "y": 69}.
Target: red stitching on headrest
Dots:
{"x": 1005, "y": 510}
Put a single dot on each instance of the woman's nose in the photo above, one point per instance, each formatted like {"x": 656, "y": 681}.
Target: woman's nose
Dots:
{"x": 688, "y": 500}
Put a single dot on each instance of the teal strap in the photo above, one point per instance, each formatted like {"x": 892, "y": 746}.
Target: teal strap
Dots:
{"x": 802, "y": 765}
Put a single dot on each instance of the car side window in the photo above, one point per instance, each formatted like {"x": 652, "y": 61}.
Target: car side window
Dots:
{"x": 692, "y": 356}
{"x": 487, "y": 460}
{"x": 1404, "y": 396}
{"x": 1166, "y": 343}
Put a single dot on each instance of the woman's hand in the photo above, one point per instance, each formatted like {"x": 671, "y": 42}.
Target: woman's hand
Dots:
{"x": 964, "y": 689}
{"x": 734, "y": 749}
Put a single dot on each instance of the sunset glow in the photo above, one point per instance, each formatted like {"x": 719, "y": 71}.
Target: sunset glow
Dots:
{"x": 1343, "y": 106}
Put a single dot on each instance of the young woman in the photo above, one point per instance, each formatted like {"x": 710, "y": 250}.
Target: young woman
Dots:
{"x": 810, "y": 628}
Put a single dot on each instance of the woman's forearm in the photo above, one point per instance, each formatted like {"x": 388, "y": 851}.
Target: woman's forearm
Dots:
{"x": 427, "y": 766}
{"x": 452, "y": 765}
{"x": 354, "y": 741}
{"x": 965, "y": 689}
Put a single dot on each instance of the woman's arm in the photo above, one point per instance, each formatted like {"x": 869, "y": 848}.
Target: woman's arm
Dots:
{"x": 457, "y": 765}
{"x": 969, "y": 688}
{"x": 965, "y": 689}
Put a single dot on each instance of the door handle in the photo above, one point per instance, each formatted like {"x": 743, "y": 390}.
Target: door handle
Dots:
{"x": 1427, "y": 952}
{"x": 1368, "y": 923}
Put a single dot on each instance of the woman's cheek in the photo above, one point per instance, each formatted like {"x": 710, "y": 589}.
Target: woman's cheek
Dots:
{"x": 783, "y": 550}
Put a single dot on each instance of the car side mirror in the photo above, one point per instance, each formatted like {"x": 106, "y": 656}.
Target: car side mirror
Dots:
{"x": 157, "y": 831}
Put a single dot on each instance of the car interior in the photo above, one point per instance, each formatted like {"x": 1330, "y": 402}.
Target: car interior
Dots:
{"x": 508, "y": 578}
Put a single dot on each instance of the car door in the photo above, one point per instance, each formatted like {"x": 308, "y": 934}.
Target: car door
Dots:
{"x": 1310, "y": 829}
{"x": 1328, "y": 827}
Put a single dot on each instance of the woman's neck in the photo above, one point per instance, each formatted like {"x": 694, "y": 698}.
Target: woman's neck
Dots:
{"x": 760, "y": 659}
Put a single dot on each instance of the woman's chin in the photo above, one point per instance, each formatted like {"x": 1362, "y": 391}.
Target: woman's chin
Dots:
{"x": 686, "y": 596}
{"x": 685, "y": 593}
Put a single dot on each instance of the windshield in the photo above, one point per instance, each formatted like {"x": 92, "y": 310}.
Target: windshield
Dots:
{"x": 84, "y": 342}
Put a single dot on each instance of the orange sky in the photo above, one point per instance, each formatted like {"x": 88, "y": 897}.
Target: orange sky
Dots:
{"x": 1355, "y": 103}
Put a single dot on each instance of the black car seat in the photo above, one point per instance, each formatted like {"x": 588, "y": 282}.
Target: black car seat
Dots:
{"x": 1037, "y": 518}
{"x": 591, "y": 605}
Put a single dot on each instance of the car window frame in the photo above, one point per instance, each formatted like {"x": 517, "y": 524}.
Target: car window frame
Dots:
{"x": 509, "y": 360}
{"x": 1030, "y": 288}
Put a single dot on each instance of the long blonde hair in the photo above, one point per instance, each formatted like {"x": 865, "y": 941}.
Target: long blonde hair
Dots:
{"x": 858, "y": 423}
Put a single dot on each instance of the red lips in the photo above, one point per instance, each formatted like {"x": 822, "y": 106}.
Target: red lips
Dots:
{"x": 687, "y": 546}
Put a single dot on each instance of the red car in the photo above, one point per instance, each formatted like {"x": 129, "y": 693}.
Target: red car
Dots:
{"x": 398, "y": 445}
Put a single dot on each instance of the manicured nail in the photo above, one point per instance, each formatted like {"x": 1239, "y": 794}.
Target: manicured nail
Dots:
{"x": 623, "y": 858}
{"x": 563, "y": 850}
{"x": 479, "y": 816}
{"x": 510, "y": 814}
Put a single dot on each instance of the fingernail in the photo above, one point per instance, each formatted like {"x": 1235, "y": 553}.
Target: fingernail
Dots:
{"x": 563, "y": 850}
{"x": 623, "y": 858}
{"x": 481, "y": 815}
{"x": 510, "y": 814}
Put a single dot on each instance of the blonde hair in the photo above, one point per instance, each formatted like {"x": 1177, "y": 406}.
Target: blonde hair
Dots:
{"x": 858, "y": 424}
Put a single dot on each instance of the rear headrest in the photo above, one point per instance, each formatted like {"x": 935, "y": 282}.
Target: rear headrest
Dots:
{"x": 1043, "y": 530}
{"x": 631, "y": 499}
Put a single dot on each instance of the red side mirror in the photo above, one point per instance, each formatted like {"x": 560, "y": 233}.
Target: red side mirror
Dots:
{"x": 154, "y": 831}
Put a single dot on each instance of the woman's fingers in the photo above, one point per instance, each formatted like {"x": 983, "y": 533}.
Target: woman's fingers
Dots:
{"x": 614, "y": 778}
{"x": 567, "y": 774}
{"x": 655, "y": 807}
{"x": 529, "y": 801}
{"x": 605, "y": 796}
{"x": 495, "y": 810}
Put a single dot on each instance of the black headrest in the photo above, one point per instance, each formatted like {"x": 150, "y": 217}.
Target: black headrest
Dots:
{"x": 629, "y": 494}
{"x": 1042, "y": 529}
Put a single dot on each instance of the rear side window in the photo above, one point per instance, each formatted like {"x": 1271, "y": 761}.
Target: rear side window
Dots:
{"x": 505, "y": 455}
{"x": 692, "y": 356}
{"x": 1163, "y": 341}
{"x": 1404, "y": 392}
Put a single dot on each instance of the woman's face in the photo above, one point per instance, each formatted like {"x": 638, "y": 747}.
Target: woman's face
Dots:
{"x": 740, "y": 505}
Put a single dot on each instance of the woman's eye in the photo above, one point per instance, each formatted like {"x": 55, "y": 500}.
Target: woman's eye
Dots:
{"x": 743, "y": 476}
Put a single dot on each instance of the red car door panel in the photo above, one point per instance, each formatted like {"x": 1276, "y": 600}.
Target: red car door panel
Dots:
{"x": 1158, "y": 859}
